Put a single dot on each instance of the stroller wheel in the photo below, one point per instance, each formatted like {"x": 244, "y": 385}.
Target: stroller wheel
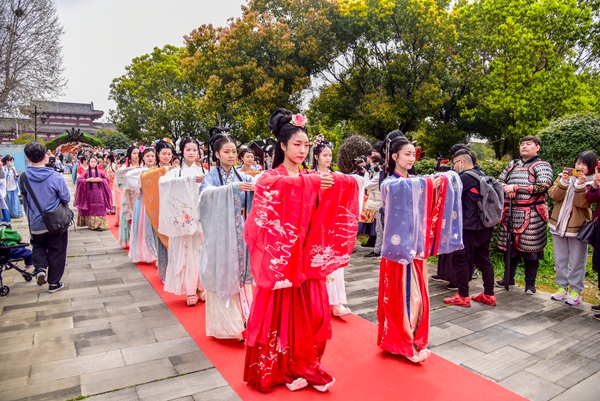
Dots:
{"x": 28, "y": 277}
{"x": 4, "y": 290}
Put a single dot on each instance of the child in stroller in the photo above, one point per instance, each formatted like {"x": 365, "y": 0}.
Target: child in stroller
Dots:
{"x": 12, "y": 250}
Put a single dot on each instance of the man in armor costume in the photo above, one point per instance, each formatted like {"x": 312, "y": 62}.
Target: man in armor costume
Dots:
{"x": 525, "y": 183}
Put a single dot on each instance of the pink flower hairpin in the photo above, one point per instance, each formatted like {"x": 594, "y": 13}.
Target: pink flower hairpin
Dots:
{"x": 299, "y": 120}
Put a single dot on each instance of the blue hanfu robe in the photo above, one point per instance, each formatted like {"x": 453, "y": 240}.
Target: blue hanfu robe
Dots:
{"x": 224, "y": 263}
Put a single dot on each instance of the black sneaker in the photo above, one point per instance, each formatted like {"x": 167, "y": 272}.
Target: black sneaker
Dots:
{"x": 452, "y": 287}
{"x": 596, "y": 307}
{"x": 436, "y": 278}
{"x": 367, "y": 246}
{"x": 55, "y": 287}
{"x": 500, "y": 283}
{"x": 475, "y": 275}
{"x": 596, "y": 316}
{"x": 373, "y": 254}
{"x": 40, "y": 276}
{"x": 529, "y": 289}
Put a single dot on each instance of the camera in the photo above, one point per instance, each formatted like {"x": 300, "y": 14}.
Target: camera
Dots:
{"x": 52, "y": 164}
{"x": 360, "y": 160}
{"x": 441, "y": 166}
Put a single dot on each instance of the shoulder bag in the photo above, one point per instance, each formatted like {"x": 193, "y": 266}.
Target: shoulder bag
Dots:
{"x": 58, "y": 220}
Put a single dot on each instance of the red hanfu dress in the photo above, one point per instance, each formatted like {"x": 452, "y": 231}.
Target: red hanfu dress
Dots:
{"x": 296, "y": 236}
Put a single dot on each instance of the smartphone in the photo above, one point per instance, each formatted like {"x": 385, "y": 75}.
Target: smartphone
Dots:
{"x": 598, "y": 166}
{"x": 574, "y": 172}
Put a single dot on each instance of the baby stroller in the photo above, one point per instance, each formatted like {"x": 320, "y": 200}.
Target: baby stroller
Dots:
{"x": 7, "y": 262}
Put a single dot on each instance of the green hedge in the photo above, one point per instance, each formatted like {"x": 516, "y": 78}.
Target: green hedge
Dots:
{"x": 493, "y": 167}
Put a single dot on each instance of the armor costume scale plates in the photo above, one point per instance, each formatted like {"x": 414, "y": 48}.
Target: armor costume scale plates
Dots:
{"x": 533, "y": 178}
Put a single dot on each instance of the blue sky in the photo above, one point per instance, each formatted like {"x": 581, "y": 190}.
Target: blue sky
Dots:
{"x": 103, "y": 36}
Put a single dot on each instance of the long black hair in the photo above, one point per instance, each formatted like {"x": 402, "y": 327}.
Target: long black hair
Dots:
{"x": 185, "y": 141}
{"x": 394, "y": 142}
{"x": 220, "y": 136}
{"x": 90, "y": 171}
{"x": 160, "y": 145}
{"x": 128, "y": 155}
{"x": 320, "y": 145}
{"x": 281, "y": 127}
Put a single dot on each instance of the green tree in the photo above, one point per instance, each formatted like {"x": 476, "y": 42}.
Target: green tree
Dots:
{"x": 563, "y": 139}
{"x": 258, "y": 63}
{"x": 25, "y": 139}
{"x": 155, "y": 98}
{"x": 116, "y": 140}
{"x": 523, "y": 62}
{"x": 386, "y": 74}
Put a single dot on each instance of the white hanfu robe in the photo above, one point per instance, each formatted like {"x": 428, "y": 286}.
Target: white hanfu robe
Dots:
{"x": 180, "y": 221}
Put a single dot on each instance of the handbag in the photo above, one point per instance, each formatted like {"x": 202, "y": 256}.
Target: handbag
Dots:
{"x": 58, "y": 220}
{"x": 587, "y": 234}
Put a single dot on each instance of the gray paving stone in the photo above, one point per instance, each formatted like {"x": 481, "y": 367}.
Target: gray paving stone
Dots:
{"x": 531, "y": 386}
{"x": 181, "y": 386}
{"x": 128, "y": 394}
{"x": 126, "y": 326}
{"x": 457, "y": 352}
{"x": 15, "y": 382}
{"x": 590, "y": 347}
{"x": 502, "y": 363}
{"x": 39, "y": 356}
{"x": 126, "y": 376}
{"x": 158, "y": 350}
{"x": 169, "y": 332}
{"x": 529, "y": 324}
{"x": 61, "y": 389}
{"x": 75, "y": 367}
{"x": 558, "y": 366}
{"x": 491, "y": 338}
{"x": 577, "y": 327}
{"x": 544, "y": 343}
{"x": 225, "y": 393}
{"x": 95, "y": 345}
{"x": 480, "y": 320}
{"x": 587, "y": 390}
{"x": 580, "y": 374}
{"x": 446, "y": 332}
{"x": 190, "y": 362}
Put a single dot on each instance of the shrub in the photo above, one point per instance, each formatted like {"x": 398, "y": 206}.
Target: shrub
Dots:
{"x": 566, "y": 137}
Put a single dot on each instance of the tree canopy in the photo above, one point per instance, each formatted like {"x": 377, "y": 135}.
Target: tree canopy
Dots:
{"x": 443, "y": 70}
{"x": 30, "y": 52}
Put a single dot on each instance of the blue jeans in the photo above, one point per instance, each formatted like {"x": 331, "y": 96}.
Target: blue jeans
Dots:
{"x": 22, "y": 253}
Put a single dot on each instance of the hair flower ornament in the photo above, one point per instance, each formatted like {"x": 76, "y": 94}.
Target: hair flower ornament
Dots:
{"x": 299, "y": 120}
{"x": 141, "y": 148}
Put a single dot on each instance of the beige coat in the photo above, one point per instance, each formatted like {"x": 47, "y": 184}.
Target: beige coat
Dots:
{"x": 582, "y": 210}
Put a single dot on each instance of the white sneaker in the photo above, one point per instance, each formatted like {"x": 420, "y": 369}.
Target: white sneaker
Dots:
{"x": 297, "y": 384}
{"x": 325, "y": 387}
{"x": 573, "y": 299}
{"x": 560, "y": 294}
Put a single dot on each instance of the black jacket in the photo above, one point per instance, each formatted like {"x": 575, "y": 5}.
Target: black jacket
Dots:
{"x": 470, "y": 197}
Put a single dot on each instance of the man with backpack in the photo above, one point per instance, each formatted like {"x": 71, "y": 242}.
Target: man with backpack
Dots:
{"x": 48, "y": 190}
{"x": 481, "y": 211}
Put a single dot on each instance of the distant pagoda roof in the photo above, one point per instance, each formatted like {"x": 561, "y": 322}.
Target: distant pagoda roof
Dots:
{"x": 63, "y": 108}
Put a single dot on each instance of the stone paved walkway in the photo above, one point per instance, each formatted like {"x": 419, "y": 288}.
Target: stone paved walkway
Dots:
{"x": 106, "y": 330}
{"x": 539, "y": 348}
{"x": 110, "y": 335}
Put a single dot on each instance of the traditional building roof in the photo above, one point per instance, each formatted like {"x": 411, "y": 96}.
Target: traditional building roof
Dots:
{"x": 63, "y": 108}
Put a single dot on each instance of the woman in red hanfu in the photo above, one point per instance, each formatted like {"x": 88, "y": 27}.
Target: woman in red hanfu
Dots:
{"x": 302, "y": 227}
{"x": 411, "y": 209}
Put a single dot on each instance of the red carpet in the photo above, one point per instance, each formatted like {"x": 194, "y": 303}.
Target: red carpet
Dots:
{"x": 362, "y": 370}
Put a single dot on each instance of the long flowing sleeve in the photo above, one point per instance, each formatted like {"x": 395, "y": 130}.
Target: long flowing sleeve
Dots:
{"x": 277, "y": 226}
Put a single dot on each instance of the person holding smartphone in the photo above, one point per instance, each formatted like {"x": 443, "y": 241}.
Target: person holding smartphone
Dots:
{"x": 571, "y": 210}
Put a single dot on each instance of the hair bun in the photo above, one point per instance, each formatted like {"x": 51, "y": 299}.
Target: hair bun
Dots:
{"x": 278, "y": 119}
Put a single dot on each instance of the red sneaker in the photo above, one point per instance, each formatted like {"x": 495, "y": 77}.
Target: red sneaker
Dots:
{"x": 485, "y": 299}
{"x": 458, "y": 301}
